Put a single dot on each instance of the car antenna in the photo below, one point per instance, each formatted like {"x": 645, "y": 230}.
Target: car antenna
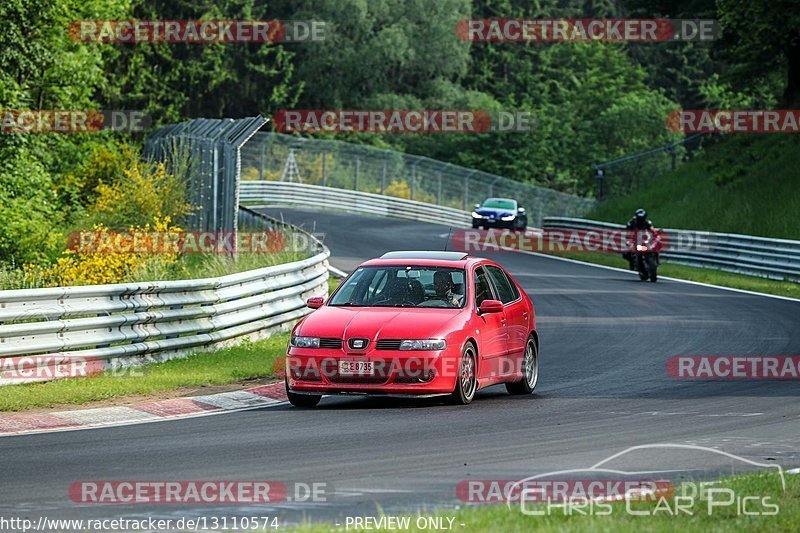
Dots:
{"x": 449, "y": 232}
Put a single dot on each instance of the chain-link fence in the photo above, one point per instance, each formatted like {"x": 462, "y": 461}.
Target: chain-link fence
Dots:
{"x": 624, "y": 175}
{"x": 207, "y": 153}
{"x": 277, "y": 157}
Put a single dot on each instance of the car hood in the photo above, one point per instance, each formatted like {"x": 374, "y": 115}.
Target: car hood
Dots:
{"x": 488, "y": 211}
{"x": 380, "y": 323}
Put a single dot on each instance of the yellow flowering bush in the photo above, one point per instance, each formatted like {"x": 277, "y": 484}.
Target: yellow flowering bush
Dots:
{"x": 145, "y": 193}
{"x": 398, "y": 189}
{"x": 108, "y": 257}
{"x": 401, "y": 189}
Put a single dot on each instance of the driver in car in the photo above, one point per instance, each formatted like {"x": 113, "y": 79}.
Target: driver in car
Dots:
{"x": 443, "y": 285}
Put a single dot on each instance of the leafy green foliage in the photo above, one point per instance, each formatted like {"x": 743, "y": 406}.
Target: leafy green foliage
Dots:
{"x": 744, "y": 184}
{"x": 174, "y": 81}
{"x": 590, "y": 102}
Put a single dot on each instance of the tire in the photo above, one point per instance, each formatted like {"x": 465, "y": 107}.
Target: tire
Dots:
{"x": 467, "y": 378}
{"x": 302, "y": 400}
{"x": 475, "y": 225}
{"x": 643, "y": 275}
{"x": 530, "y": 370}
{"x": 652, "y": 268}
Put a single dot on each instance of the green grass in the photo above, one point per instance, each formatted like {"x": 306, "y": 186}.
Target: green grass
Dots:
{"x": 498, "y": 517}
{"x": 702, "y": 275}
{"x": 246, "y": 361}
{"x": 744, "y": 184}
{"x": 333, "y": 283}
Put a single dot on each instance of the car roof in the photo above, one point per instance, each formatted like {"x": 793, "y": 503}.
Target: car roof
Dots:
{"x": 425, "y": 258}
{"x": 425, "y": 254}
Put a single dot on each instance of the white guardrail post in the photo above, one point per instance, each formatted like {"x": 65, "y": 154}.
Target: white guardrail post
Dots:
{"x": 729, "y": 252}
{"x": 119, "y": 325}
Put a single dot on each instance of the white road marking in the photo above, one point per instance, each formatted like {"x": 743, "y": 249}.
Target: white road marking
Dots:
{"x": 105, "y": 415}
{"x": 615, "y": 269}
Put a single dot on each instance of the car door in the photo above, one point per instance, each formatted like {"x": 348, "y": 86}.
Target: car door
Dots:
{"x": 493, "y": 337}
{"x": 516, "y": 314}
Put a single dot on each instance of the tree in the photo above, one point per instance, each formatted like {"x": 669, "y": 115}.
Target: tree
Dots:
{"x": 176, "y": 81}
{"x": 760, "y": 40}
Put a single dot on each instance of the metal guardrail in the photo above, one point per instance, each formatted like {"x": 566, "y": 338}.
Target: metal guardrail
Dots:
{"x": 367, "y": 169}
{"x": 730, "y": 252}
{"x": 131, "y": 323}
{"x": 276, "y": 192}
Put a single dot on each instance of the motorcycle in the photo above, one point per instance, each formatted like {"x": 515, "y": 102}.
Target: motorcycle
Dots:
{"x": 646, "y": 256}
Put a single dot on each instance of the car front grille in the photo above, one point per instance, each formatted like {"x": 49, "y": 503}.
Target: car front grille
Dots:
{"x": 388, "y": 344}
{"x": 366, "y": 380}
{"x": 331, "y": 343}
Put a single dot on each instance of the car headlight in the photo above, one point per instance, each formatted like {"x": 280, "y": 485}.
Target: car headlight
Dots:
{"x": 476, "y": 215}
{"x": 509, "y": 218}
{"x": 641, "y": 248}
{"x": 424, "y": 344}
{"x": 304, "y": 342}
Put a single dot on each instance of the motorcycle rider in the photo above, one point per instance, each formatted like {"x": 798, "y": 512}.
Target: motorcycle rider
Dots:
{"x": 639, "y": 222}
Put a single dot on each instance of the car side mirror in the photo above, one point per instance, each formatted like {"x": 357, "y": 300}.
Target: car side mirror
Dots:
{"x": 477, "y": 206}
{"x": 521, "y": 210}
{"x": 490, "y": 306}
{"x": 315, "y": 302}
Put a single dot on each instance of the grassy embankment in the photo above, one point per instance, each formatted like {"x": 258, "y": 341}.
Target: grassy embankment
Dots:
{"x": 745, "y": 184}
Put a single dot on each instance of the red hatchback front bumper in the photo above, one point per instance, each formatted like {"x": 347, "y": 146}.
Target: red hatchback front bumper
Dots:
{"x": 379, "y": 372}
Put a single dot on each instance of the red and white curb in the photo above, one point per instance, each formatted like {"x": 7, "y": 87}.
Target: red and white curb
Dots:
{"x": 257, "y": 397}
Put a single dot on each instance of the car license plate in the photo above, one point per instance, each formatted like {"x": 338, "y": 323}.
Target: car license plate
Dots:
{"x": 356, "y": 368}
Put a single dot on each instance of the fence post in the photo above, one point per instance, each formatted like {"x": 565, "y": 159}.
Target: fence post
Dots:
{"x": 261, "y": 164}
{"x": 383, "y": 177}
{"x": 671, "y": 150}
{"x": 599, "y": 174}
{"x": 413, "y": 178}
{"x": 491, "y": 187}
{"x": 439, "y": 188}
{"x": 324, "y": 173}
{"x": 466, "y": 191}
{"x": 355, "y": 175}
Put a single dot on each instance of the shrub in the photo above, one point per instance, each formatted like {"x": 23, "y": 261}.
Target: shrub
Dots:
{"x": 105, "y": 266}
{"x": 144, "y": 193}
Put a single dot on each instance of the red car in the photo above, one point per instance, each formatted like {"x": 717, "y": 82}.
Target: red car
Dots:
{"x": 416, "y": 323}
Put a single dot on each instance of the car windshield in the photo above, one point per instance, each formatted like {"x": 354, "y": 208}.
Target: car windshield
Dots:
{"x": 402, "y": 286}
{"x": 499, "y": 203}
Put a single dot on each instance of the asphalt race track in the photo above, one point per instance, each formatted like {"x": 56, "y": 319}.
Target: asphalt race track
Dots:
{"x": 603, "y": 388}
